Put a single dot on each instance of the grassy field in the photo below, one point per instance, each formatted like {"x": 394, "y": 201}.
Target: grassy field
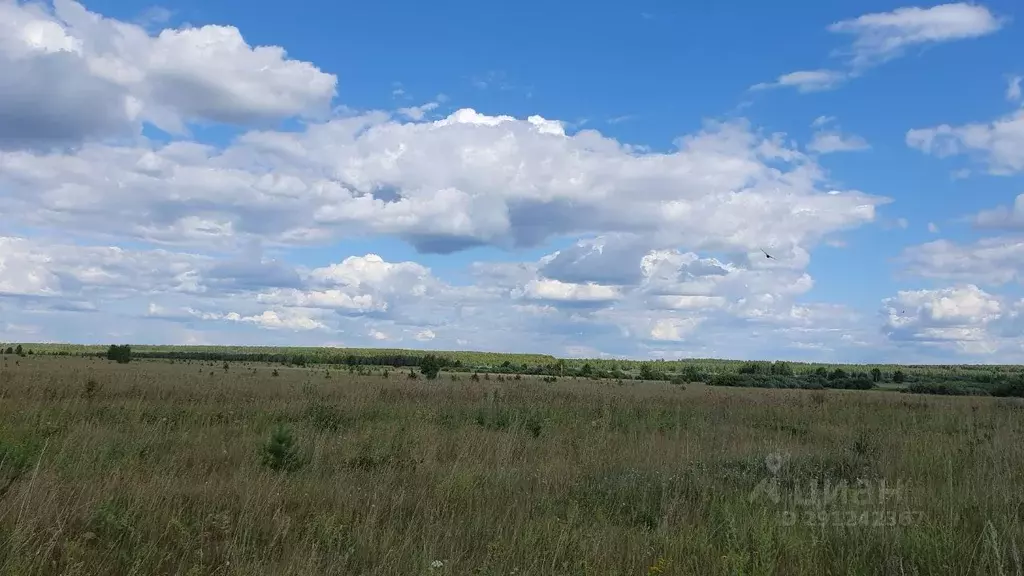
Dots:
{"x": 315, "y": 355}
{"x": 159, "y": 467}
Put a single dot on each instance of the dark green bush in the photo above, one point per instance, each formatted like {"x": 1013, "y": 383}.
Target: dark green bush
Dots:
{"x": 1014, "y": 389}
{"x": 120, "y": 354}
{"x": 945, "y": 389}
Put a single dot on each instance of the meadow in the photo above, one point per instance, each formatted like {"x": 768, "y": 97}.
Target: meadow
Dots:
{"x": 172, "y": 466}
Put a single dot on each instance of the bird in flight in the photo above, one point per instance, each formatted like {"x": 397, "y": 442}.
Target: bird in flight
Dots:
{"x": 767, "y": 255}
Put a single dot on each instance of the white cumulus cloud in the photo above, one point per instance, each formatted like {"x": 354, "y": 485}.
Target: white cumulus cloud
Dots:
{"x": 962, "y": 318}
{"x": 70, "y": 75}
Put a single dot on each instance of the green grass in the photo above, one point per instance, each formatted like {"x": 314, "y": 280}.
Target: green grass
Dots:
{"x": 187, "y": 468}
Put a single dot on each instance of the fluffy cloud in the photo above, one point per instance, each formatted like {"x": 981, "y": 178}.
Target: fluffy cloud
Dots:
{"x": 287, "y": 319}
{"x": 963, "y": 318}
{"x": 1000, "y": 143}
{"x": 33, "y": 269}
{"x": 882, "y": 36}
{"x": 443, "y": 186}
{"x": 70, "y": 75}
{"x": 676, "y": 297}
{"x": 993, "y": 261}
{"x": 967, "y": 316}
{"x": 464, "y": 180}
{"x": 1003, "y": 217}
{"x": 187, "y": 286}
{"x": 553, "y": 290}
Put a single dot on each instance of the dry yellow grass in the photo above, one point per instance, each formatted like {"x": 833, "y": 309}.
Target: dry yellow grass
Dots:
{"x": 156, "y": 469}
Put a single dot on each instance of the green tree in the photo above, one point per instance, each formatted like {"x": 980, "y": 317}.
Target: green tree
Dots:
{"x": 431, "y": 366}
{"x": 121, "y": 354}
{"x": 876, "y": 375}
{"x": 755, "y": 368}
{"x": 19, "y": 351}
{"x": 280, "y": 451}
{"x": 898, "y": 377}
{"x": 838, "y": 374}
{"x": 692, "y": 373}
{"x": 646, "y": 372}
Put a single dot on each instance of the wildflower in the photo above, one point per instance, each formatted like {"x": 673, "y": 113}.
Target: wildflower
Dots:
{"x": 436, "y": 564}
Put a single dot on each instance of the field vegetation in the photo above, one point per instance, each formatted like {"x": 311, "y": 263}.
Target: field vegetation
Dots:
{"x": 954, "y": 380}
{"x": 177, "y": 465}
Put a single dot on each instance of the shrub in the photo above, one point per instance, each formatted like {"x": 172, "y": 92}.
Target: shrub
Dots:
{"x": 755, "y": 368}
{"x": 120, "y": 354}
{"x": 649, "y": 373}
{"x": 691, "y": 373}
{"x": 727, "y": 380}
{"x": 944, "y": 389}
{"x": 91, "y": 387}
{"x": 837, "y": 374}
{"x": 846, "y": 383}
{"x": 1006, "y": 389}
{"x": 280, "y": 452}
{"x": 781, "y": 368}
{"x": 431, "y": 366}
{"x": 814, "y": 383}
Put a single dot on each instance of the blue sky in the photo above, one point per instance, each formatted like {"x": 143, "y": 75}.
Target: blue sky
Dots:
{"x": 578, "y": 179}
